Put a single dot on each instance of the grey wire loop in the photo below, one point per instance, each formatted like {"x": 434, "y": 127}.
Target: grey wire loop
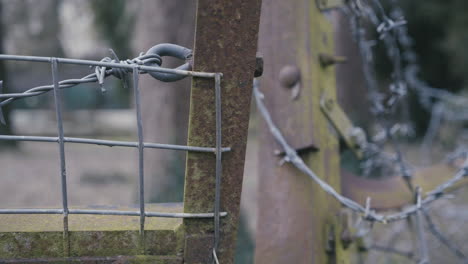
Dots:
{"x": 107, "y": 67}
{"x": 171, "y": 50}
{"x": 120, "y": 73}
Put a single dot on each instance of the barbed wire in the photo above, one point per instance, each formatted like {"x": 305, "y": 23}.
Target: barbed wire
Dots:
{"x": 149, "y": 62}
{"x": 292, "y": 157}
{"x": 107, "y": 67}
{"x": 382, "y": 106}
{"x": 392, "y": 32}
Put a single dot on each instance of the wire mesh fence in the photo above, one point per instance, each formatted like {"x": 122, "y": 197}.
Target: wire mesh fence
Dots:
{"x": 391, "y": 32}
{"x": 149, "y": 63}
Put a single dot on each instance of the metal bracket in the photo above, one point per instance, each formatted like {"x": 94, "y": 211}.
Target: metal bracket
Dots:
{"x": 324, "y": 5}
{"x": 342, "y": 124}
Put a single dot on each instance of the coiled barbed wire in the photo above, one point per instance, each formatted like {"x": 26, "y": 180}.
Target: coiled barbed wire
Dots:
{"x": 292, "y": 157}
{"x": 382, "y": 107}
{"x": 392, "y": 32}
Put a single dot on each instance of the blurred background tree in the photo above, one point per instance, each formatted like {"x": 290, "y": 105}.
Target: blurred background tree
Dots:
{"x": 115, "y": 23}
{"x": 438, "y": 29}
{"x": 26, "y": 31}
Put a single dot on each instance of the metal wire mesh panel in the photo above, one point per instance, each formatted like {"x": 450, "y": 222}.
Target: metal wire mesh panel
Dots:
{"x": 148, "y": 63}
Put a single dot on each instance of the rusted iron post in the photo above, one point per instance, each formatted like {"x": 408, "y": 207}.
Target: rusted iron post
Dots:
{"x": 225, "y": 42}
{"x": 298, "y": 221}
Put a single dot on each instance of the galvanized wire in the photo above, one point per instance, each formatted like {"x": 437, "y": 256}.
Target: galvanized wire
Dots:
{"x": 219, "y": 153}
{"x": 141, "y": 159}
{"x": 111, "y": 143}
{"x": 111, "y": 212}
{"x": 145, "y": 63}
{"x": 63, "y": 170}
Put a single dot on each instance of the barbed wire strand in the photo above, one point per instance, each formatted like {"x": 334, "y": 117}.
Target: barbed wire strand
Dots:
{"x": 381, "y": 111}
{"x": 437, "y": 110}
{"x": 98, "y": 76}
{"x": 292, "y": 157}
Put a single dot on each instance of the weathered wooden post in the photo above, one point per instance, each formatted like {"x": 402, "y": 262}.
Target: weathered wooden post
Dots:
{"x": 298, "y": 221}
{"x": 225, "y": 42}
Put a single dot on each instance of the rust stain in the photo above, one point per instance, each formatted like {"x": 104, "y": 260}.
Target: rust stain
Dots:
{"x": 228, "y": 45}
{"x": 294, "y": 212}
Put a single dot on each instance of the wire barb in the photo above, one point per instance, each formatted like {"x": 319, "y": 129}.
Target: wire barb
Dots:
{"x": 145, "y": 63}
{"x": 150, "y": 62}
{"x": 296, "y": 160}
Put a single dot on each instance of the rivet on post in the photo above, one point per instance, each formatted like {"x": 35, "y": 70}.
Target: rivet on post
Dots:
{"x": 258, "y": 65}
{"x": 290, "y": 77}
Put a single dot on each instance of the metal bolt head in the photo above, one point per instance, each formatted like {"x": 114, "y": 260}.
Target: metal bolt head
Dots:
{"x": 328, "y": 59}
{"x": 289, "y": 75}
{"x": 258, "y": 65}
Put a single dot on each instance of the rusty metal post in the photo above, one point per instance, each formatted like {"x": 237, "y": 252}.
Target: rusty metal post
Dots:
{"x": 298, "y": 222}
{"x": 225, "y": 42}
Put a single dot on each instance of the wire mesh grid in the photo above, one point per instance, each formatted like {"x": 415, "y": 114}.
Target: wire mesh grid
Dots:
{"x": 107, "y": 68}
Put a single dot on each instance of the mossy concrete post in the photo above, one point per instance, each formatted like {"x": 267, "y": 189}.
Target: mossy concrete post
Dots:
{"x": 225, "y": 42}
{"x": 298, "y": 222}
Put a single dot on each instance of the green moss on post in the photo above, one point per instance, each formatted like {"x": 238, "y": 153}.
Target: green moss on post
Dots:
{"x": 41, "y": 236}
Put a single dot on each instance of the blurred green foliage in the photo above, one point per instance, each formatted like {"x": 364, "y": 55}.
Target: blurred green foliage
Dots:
{"x": 115, "y": 23}
{"x": 439, "y": 30}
